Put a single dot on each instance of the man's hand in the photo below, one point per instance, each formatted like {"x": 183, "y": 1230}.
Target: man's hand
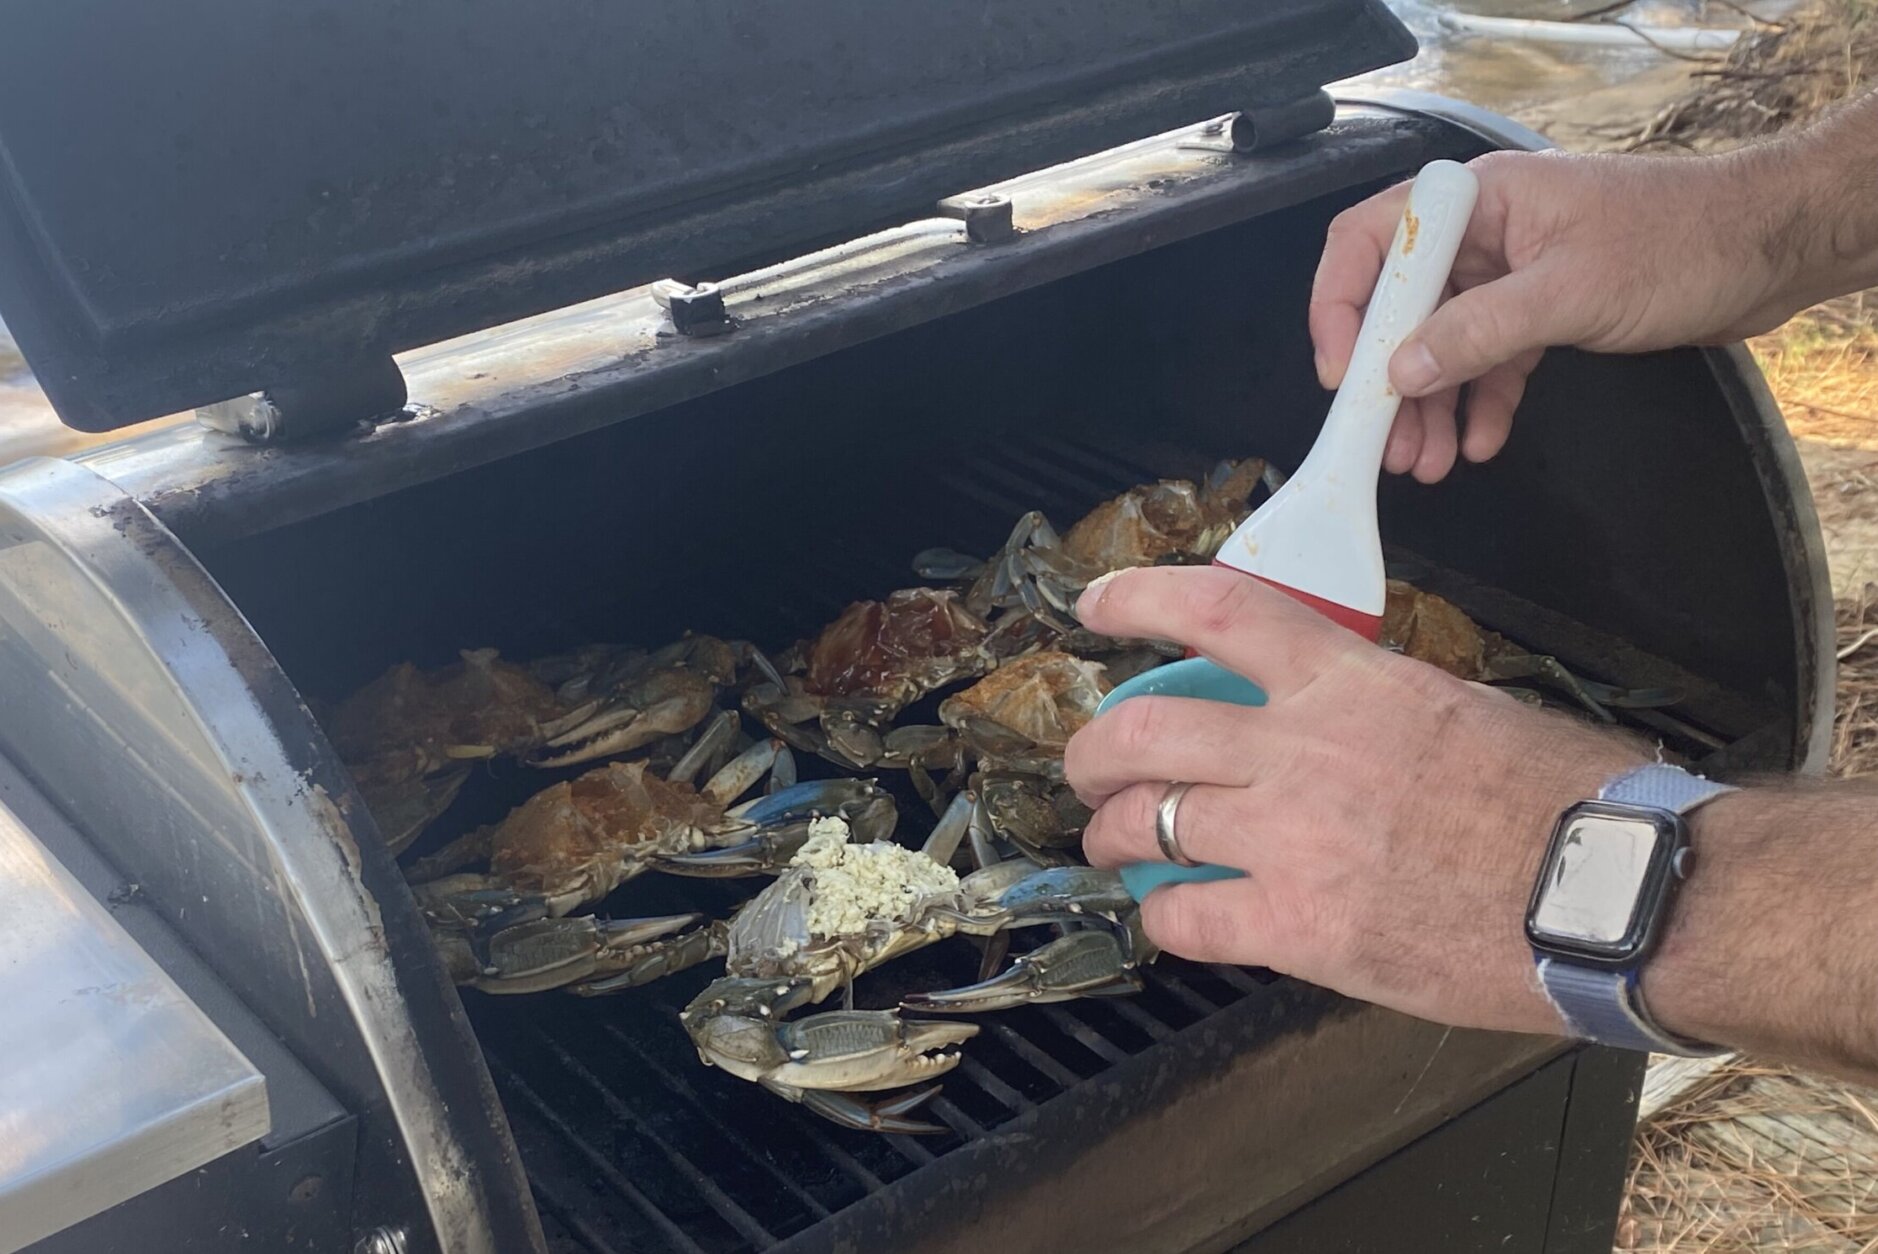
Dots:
{"x": 1610, "y": 253}
{"x": 1391, "y": 818}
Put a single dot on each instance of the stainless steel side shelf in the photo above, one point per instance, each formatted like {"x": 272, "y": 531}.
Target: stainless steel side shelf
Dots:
{"x": 112, "y": 1080}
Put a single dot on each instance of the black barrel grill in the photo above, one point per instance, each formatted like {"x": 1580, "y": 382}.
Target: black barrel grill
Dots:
{"x": 743, "y": 454}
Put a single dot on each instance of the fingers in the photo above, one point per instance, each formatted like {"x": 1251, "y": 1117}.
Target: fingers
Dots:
{"x": 1490, "y": 406}
{"x": 1224, "y": 921}
{"x": 1242, "y": 624}
{"x": 1483, "y": 327}
{"x": 1354, "y": 249}
{"x": 1150, "y": 738}
{"x": 1209, "y": 825}
{"x": 1405, "y": 439}
{"x": 1334, "y": 329}
{"x": 1436, "y": 457}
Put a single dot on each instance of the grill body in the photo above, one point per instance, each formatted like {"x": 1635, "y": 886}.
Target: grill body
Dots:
{"x": 589, "y": 475}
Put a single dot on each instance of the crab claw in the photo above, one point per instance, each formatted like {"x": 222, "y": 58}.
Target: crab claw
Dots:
{"x": 887, "y": 1115}
{"x": 1083, "y": 964}
{"x": 865, "y": 1050}
{"x": 1019, "y": 893}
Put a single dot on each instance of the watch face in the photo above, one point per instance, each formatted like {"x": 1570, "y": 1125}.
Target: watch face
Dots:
{"x": 1601, "y": 883}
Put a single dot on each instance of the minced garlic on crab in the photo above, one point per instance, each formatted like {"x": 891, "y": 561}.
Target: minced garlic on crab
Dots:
{"x": 855, "y": 885}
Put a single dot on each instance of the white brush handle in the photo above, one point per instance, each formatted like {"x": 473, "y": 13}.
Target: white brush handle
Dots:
{"x": 1440, "y": 202}
{"x": 1317, "y": 535}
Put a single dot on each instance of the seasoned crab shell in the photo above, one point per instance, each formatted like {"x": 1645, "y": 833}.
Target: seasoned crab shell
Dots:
{"x": 564, "y": 834}
{"x": 1032, "y": 704}
{"x": 478, "y": 706}
{"x": 894, "y": 651}
{"x": 1171, "y": 518}
{"x": 1434, "y": 631}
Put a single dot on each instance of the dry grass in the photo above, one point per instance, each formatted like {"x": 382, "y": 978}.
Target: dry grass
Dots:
{"x": 1823, "y": 367}
{"x": 1783, "y": 74}
{"x": 1855, "y": 724}
{"x": 1757, "y": 1158}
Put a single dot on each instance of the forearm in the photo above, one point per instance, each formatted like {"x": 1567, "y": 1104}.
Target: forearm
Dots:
{"x": 1772, "y": 946}
{"x": 1815, "y": 195}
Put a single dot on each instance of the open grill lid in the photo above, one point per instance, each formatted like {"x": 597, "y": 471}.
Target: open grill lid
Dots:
{"x": 211, "y": 198}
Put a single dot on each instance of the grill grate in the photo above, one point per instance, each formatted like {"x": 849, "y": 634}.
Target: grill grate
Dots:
{"x": 632, "y": 1145}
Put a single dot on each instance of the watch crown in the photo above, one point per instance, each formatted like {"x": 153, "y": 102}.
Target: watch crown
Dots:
{"x": 1682, "y": 863}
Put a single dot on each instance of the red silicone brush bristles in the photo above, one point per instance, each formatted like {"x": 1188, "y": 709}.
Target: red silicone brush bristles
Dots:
{"x": 1368, "y": 626}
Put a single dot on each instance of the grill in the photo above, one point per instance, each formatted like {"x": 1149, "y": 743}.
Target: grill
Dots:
{"x": 744, "y": 454}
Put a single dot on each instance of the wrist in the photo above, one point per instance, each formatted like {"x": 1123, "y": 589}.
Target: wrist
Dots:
{"x": 1688, "y": 982}
{"x": 1769, "y": 947}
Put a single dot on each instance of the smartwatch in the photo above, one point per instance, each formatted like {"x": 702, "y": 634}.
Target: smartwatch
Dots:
{"x": 1611, "y": 871}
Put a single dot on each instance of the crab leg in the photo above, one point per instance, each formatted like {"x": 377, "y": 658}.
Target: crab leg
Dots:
{"x": 1598, "y": 698}
{"x": 1092, "y": 963}
{"x": 719, "y": 736}
{"x": 550, "y": 953}
{"x": 886, "y": 1115}
{"x": 779, "y": 824}
{"x": 742, "y": 772}
{"x": 642, "y": 964}
{"x": 949, "y": 833}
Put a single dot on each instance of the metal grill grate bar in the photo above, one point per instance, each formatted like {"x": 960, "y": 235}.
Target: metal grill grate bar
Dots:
{"x": 677, "y": 1087}
{"x": 994, "y": 1087}
{"x": 1167, "y": 981}
{"x": 1029, "y": 1053}
{"x": 948, "y": 1112}
{"x": 910, "y": 1149}
{"x": 1122, "y": 1008}
{"x": 1083, "y": 1034}
{"x": 600, "y": 1163}
{"x": 733, "y": 1214}
{"x": 1240, "y": 978}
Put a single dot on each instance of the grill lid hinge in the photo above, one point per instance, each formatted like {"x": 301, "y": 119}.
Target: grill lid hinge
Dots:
{"x": 987, "y": 216}
{"x": 336, "y": 398}
{"x": 1255, "y": 130}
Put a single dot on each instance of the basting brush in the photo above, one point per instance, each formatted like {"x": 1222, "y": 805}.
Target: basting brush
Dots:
{"x": 1316, "y": 538}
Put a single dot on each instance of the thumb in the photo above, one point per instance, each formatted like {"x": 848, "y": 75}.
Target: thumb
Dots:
{"x": 1481, "y": 328}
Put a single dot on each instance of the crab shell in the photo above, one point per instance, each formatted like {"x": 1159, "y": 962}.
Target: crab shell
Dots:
{"x": 770, "y": 938}
{"x": 1434, "y": 631}
{"x": 578, "y": 840}
{"x": 1035, "y": 702}
{"x": 893, "y": 651}
{"x": 479, "y": 701}
{"x": 1157, "y": 521}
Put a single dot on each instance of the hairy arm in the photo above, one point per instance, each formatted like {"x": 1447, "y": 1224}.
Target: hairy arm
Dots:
{"x": 1773, "y": 943}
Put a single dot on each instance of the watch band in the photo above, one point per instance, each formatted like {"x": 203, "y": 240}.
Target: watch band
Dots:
{"x": 1662, "y": 788}
{"x": 1607, "y": 1006}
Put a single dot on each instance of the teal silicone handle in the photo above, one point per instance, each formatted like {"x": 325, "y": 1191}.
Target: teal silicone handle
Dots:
{"x": 1207, "y": 681}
